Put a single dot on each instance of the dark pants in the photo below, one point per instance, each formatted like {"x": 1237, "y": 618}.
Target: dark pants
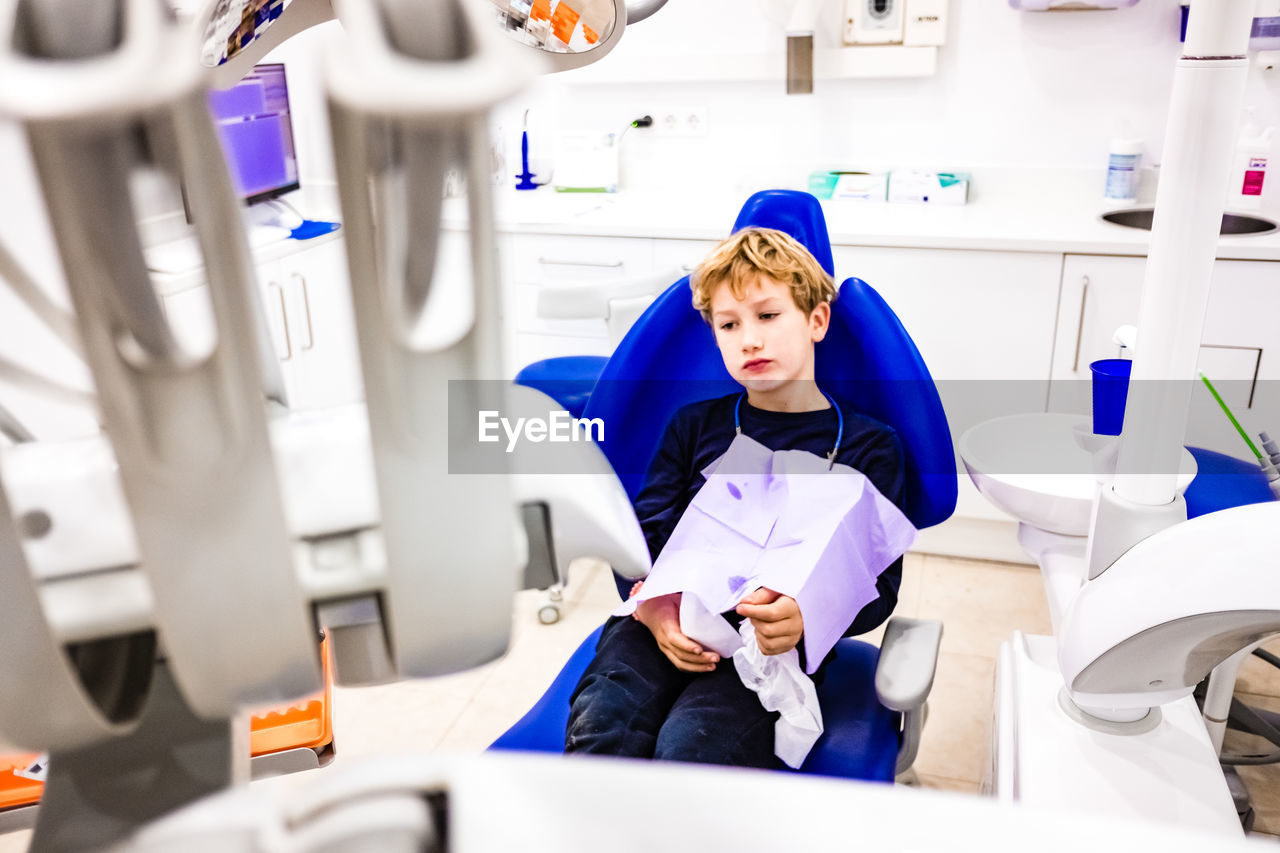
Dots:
{"x": 633, "y": 702}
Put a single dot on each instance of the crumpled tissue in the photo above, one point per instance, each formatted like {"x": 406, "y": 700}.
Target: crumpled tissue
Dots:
{"x": 781, "y": 520}
{"x": 783, "y": 687}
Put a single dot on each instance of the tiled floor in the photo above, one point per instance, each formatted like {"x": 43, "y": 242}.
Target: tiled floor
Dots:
{"x": 979, "y": 604}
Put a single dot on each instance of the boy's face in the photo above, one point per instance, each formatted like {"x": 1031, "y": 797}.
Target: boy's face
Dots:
{"x": 765, "y": 339}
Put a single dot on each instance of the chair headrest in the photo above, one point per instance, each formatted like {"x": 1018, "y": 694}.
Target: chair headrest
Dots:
{"x": 795, "y": 213}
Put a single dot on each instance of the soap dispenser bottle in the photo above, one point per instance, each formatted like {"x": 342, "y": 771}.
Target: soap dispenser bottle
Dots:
{"x": 1250, "y": 172}
{"x": 1124, "y": 161}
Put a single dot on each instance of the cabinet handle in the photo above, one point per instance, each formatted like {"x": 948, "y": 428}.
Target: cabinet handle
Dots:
{"x": 603, "y": 264}
{"x": 1084, "y": 300}
{"x": 284, "y": 321}
{"x": 306, "y": 309}
{"x": 686, "y": 269}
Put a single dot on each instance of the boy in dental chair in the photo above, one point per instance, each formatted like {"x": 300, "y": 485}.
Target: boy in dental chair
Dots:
{"x": 652, "y": 691}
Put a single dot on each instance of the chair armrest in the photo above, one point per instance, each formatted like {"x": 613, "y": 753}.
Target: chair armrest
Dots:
{"x": 586, "y": 300}
{"x": 908, "y": 660}
{"x": 904, "y": 676}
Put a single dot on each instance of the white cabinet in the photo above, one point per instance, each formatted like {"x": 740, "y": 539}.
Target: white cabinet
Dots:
{"x": 307, "y": 303}
{"x": 973, "y": 315}
{"x": 1239, "y": 351}
{"x": 533, "y": 262}
{"x": 320, "y": 356}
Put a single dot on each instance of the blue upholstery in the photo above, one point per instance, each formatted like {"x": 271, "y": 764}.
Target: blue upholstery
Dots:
{"x": 860, "y": 737}
{"x": 1223, "y": 482}
{"x": 669, "y": 358}
{"x": 567, "y": 379}
{"x": 794, "y": 213}
{"x": 542, "y": 728}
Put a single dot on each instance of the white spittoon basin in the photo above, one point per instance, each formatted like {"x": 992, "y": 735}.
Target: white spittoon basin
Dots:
{"x": 1044, "y": 468}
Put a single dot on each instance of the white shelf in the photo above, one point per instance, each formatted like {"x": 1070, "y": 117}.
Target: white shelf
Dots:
{"x": 839, "y": 63}
{"x": 843, "y": 63}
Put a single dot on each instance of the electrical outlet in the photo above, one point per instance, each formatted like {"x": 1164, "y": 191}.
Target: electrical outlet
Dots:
{"x": 680, "y": 121}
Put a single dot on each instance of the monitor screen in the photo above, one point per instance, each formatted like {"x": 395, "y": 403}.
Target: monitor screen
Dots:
{"x": 253, "y": 124}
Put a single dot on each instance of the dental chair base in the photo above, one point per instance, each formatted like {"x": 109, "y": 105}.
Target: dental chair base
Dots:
{"x": 1163, "y": 768}
{"x": 1042, "y": 757}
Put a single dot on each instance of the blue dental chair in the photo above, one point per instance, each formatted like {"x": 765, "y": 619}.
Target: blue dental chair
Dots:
{"x": 669, "y": 359}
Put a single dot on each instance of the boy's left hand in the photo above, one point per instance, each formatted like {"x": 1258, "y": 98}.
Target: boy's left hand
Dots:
{"x": 776, "y": 619}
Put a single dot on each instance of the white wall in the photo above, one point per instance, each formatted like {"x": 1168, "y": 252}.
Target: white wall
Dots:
{"x": 1012, "y": 88}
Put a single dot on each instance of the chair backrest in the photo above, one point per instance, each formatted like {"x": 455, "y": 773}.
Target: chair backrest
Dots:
{"x": 669, "y": 359}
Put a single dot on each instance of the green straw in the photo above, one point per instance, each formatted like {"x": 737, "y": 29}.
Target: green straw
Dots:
{"x": 1235, "y": 423}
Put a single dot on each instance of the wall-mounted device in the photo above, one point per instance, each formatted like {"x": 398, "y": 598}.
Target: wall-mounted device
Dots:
{"x": 873, "y": 21}
{"x": 914, "y": 23}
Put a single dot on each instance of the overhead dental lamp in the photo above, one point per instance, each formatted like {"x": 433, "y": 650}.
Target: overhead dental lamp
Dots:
{"x": 236, "y": 34}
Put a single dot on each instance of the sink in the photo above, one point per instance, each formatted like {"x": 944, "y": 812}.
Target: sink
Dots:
{"x": 1033, "y": 467}
{"x": 1232, "y": 223}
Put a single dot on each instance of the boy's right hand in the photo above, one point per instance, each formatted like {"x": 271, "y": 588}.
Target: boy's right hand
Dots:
{"x": 661, "y": 616}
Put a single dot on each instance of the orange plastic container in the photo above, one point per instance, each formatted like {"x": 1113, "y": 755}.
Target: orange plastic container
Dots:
{"x": 563, "y": 21}
{"x": 18, "y": 790}
{"x": 306, "y": 724}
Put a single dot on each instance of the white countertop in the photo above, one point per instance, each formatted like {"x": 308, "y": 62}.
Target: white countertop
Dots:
{"x": 1020, "y": 210}
{"x": 1023, "y": 210}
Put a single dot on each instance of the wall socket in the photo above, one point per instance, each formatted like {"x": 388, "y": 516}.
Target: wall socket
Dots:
{"x": 680, "y": 121}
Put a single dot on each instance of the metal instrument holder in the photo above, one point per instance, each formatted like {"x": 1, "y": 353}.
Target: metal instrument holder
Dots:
{"x": 211, "y": 587}
{"x": 406, "y": 102}
{"x": 189, "y": 431}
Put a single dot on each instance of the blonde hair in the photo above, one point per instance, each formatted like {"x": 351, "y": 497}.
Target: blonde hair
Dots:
{"x": 754, "y": 252}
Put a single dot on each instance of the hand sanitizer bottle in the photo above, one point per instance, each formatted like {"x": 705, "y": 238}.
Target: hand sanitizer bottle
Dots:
{"x": 1123, "y": 163}
{"x": 1252, "y": 153}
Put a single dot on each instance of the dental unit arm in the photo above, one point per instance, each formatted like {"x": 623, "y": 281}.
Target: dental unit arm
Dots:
{"x": 1176, "y": 605}
{"x": 166, "y": 575}
{"x": 1158, "y": 609}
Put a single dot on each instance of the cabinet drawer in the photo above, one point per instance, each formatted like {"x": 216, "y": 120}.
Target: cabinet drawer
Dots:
{"x": 683, "y": 255}
{"x": 539, "y": 258}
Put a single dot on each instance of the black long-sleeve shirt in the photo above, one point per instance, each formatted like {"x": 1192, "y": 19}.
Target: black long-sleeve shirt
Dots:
{"x": 700, "y": 433}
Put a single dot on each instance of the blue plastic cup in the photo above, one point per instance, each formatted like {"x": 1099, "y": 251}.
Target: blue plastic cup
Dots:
{"x": 1110, "y": 389}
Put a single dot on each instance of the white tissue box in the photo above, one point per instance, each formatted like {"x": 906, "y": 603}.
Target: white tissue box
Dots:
{"x": 858, "y": 186}
{"x": 912, "y": 187}
{"x": 587, "y": 162}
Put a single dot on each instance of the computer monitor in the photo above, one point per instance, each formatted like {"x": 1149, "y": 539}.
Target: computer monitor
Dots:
{"x": 253, "y": 124}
